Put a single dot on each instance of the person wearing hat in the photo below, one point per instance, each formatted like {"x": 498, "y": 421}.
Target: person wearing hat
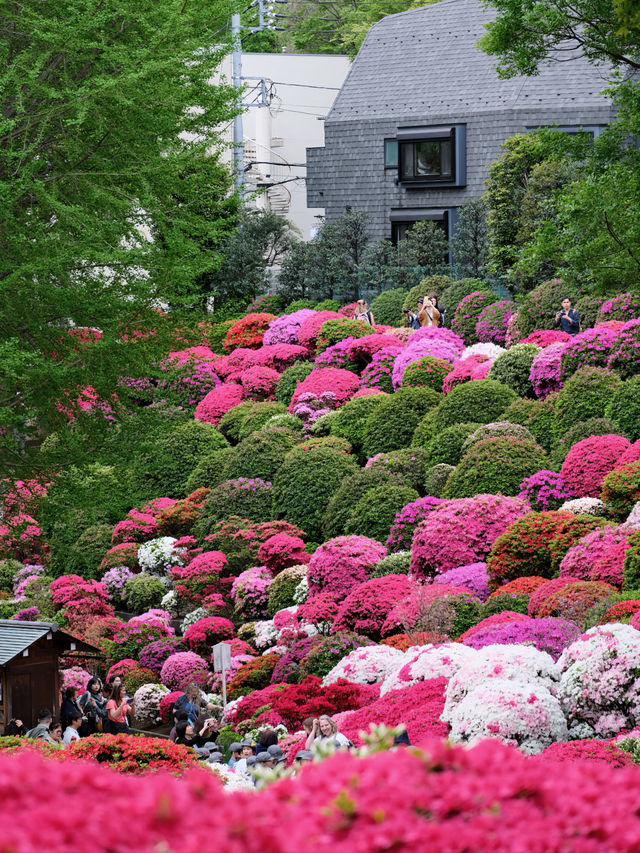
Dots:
{"x": 236, "y": 753}
{"x": 276, "y": 752}
{"x": 246, "y": 753}
{"x": 265, "y": 759}
{"x": 303, "y": 756}
{"x": 216, "y": 758}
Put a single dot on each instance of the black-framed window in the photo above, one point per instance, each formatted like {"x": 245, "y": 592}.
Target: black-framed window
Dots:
{"x": 391, "y": 153}
{"x": 432, "y": 156}
{"x": 404, "y": 219}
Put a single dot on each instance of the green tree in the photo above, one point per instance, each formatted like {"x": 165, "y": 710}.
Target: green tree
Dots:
{"x": 107, "y": 128}
{"x": 470, "y": 240}
{"x": 425, "y": 246}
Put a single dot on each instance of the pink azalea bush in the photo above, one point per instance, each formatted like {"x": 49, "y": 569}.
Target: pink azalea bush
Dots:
{"x": 592, "y": 347}
{"x": 589, "y": 461}
{"x": 281, "y": 551}
{"x": 546, "y": 370}
{"x": 218, "y": 402}
{"x": 415, "y": 351}
{"x": 462, "y": 531}
{"x": 310, "y": 328}
{"x": 183, "y": 667}
{"x": 250, "y": 592}
{"x": 551, "y": 635}
{"x": 341, "y": 563}
{"x": 341, "y": 383}
{"x": 598, "y": 555}
{"x": 546, "y": 337}
{"x": 378, "y": 374}
{"x": 545, "y": 490}
{"x": 464, "y": 371}
{"x": 259, "y": 383}
{"x": 406, "y": 521}
{"x": 625, "y": 306}
{"x": 367, "y": 606}
{"x": 491, "y": 326}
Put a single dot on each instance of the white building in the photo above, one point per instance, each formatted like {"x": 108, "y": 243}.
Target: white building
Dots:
{"x": 290, "y": 106}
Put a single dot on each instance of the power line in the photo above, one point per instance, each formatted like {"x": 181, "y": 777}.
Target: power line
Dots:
{"x": 305, "y": 85}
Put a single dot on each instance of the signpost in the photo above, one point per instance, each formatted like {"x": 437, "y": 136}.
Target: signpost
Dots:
{"x": 221, "y": 663}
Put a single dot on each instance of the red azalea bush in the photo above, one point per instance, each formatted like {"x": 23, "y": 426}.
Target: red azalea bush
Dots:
{"x": 121, "y": 668}
{"x": 259, "y": 382}
{"x": 420, "y": 638}
{"x": 252, "y": 676}
{"x": 520, "y": 586}
{"x": 489, "y": 797}
{"x": 341, "y": 563}
{"x": 590, "y": 460}
{"x": 74, "y": 591}
{"x": 341, "y": 383}
{"x": 124, "y": 554}
{"x": 179, "y": 518}
{"x": 166, "y": 704}
{"x": 319, "y": 610}
{"x": 310, "y": 328}
{"x": 582, "y": 751}
{"x": 621, "y": 488}
{"x": 417, "y": 707}
{"x": 281, "y": 551}
{"x": 248, "y": 331}
{"x": 575, "y": 600}
{"x": 205, "y": 633}
{"x": 536, "y": 544}
{"x": 280, "y": 356}
{"x": 234, "y": 364}
{"x": 201, "y": 577}
{"x": 462, "y": 531}
{"x": 218, "y": 402}
{"x": 367, "y": 606}
{"x": 621, "y": 611}
{"x": 538, "y": 598}
{"x": 133, "y": 754}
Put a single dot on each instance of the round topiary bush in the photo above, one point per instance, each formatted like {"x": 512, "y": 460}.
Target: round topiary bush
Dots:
{"x": 575, "y": 601}
{"x": 483, "y": 401}
{"x": 387, "y": 307}
{"x": 424, "y": 432}
{"x": 495, "y": 465}
{"x": 545, "y": 375}
{"x": 589, "y": 461}
{"x": 513, "y": 368}
{"x": 585, "y": 395}
{"x": 624, "y": 352}
{"x": 378, "y": 374}
{"x": 590, "y": 348}
{"x": 305, "y": 483}
{"x": 536, "y": 545}
{"x": 217, "y": 402}
{"x": 375, "y": 512}
{"x": 409, "y": 464}
{"x": 342, "y": 384}
{"x": 350, "y": 420}
{"x": 142, "y": 592}
{"x": 621, "y": 489}
{"x": 623, "y": 408}
{"x": 248, "y": 498}
{"x": 205, "y": 633}
{"x": 349, "y": 493}
{"x": 393, "y": 564}
{"x": 406, "y": 521}
{"x": 289, "y": 380}
{"x": 624, "y": 307}
{"x": 342, "y": 563}
{"x": 598, "y": 556}
{"x": 446, "y": 445}
{"x": 367, "y": 606}
{"x": 210, "y": 470}
{"x": 589, "y": 307}
{"x": 282, "y": 588}
{"x": 182, "y": 667}
{"x": 538, "y": 416}
{"x": 84, "y": 555}
{"x": 248, "y": 331}
{"x": 333, "y": 331}
{"x": 436, "y": 478}
{"x": 491, "y": 327}
{"x": 166, "y": 469}
{"x": 453, "y": 294}
{"x": 545, "y": 490}
{"x": 498, "y": 429}
{"x": 260, "y": 455}
{"x": 426, "y": 372}
{"x": 460, "y": 532}
{"x": 153, "y": 655}
{"x": 580, "y": 431}
{"x": 539, "y": 307}
{"x": 247, "y": 417}
{"x": 393, "y": 422}
{"x": 468, "y": 313}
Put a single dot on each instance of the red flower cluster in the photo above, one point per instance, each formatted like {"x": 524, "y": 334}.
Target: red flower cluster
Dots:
{"x": 420, "y": 638}
{"x": 539, "y": 597}
{"x": 124, "y": 554}
{"x": 248, "y": 331}
{"x": 133, "y": 754}
{"x": 574, "y": 601}
{"x": 310, "y": 328}
{"x": 204, "y": 633}
{"x": 179, "y": 518}
{"x": 519, "y": 586}
{"x": 596, "y": 751}
{"x": 259, "y": 382}
{"x": 281, "y": 551}
{"x": 342, "y": 383}
{"x": 367, "y": 606}
{"x": 200, "y": 577}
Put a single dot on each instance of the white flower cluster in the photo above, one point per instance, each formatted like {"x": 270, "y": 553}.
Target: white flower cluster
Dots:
{"x": 492, "y": 351}
{"x": 421, "y": 663}
{"x": 190, "y": 618}
{"x": 301, "y": 592}
{"x": 146, "y": 702}
{"x": 231, "y": 780}
{"x": 170, "y": 602}
{"x": 634, "y": 517}
{"x": 157, "y": 556}
{"x": 366, "y": 665}
{"x": 586, "y": 506}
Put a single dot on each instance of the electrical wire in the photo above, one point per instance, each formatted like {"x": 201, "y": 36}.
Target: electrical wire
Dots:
{"x": 305, "y": 85}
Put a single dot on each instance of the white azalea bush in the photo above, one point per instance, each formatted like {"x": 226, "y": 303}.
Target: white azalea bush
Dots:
{"x": 157, "y": 556}
{"x": 146, "y": 703}
{"x": 425, "y": 662}
{"x": 366, "y": 665}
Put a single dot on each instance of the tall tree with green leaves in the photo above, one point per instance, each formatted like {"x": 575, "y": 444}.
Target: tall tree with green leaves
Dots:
{"x": 113, "y": 200}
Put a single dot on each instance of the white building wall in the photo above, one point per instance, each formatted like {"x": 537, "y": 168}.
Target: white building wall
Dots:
{"x": 300, "y": 90}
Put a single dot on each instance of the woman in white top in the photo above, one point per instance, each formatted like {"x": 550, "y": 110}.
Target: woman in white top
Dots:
{"x": 325, "y": 731}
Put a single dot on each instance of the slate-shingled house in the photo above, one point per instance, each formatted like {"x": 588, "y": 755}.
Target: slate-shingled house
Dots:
{"x": 423, "y": 113}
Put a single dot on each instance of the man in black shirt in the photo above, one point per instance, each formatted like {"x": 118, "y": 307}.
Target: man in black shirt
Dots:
{"x": 568, "y": 319}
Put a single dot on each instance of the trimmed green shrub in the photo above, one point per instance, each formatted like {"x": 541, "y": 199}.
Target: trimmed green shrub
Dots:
{"x": 424, "y": 432}
{"x": 495, "y": 430}
{"x": 446, "y": 446}
{"x": 495, "y": 466}
{"x": 349, "y": 493}
{"x": 392, "y": 424}
{"x": 217, "y": 333}
{"x": 375, "y": 512}
{"x": 387, "y": 307}
{"x": 349, "y": 421}
{"x": 436, "y": 479}
{"x": 142, "y": 592}
{"x": 289, "y": 380}
{"x": 585, "y": 395}
{"x": 335, "y": 330}
{"x": 393, "y": 564}
{"x": 482, "y": 400}
{"x": 453, "y": 295}
{"x": 210, "y": 470}
{"x": 166, "y": 469}
{"x": 426, "y": 372}
{"x": 631, "y": 568}
{"x": 327, "y": 305}
{"x": 624, "y": 408}
{"x": 409, "y": 463}
{"x": 539, "y": 307}
{"x": 259, "y": 455}
{"x": 304, "y": 485}
{"x": 8, "y": 569}
{"x": 588, "y": 307}
{"x": 324, "y": 656}
{"x": 583, "y": 429}
{"x": 247, "y": 498}
{"x": 284, "y": 422}
{"x": 513, "y": 367}
{"x": 431, "y": 284}
{"x": 283, "y": 587}
{"x": 87, "y": 551}
{"x": 538, "y": 416}
{"x": 322, "y": 427}
{"x": 621, "y": 489}
{"x": 299, "y": 305}
{"x": 247, "y": 417}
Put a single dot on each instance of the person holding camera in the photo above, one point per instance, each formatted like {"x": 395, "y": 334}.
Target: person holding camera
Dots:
{"x": 186, "y": 733}
{"x": 413, "y": 320}
{"x": 568, "y": 319}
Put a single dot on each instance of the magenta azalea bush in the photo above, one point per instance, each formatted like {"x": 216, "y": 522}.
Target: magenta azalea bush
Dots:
{"x": 545, "y": 490}
{"x": 492, "y": 323}
{"x": 546, "y": 370}
{"x": 406, "y": 521}
{"x": 551, "y": 635}
{"x": 342, "y": 563}
{"x": 181, "y": 668}
{"x": 589, "y": 461}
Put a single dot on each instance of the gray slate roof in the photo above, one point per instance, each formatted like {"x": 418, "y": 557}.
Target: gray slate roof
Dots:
{"x": 425, "y": 62}
{"x": 16, "y": 636}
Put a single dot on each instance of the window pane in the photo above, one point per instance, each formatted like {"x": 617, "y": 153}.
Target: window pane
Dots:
{"x": 428, "y": 157}
{"x": 391, "y": 153}
{"x": 406, "y": 160}
{"x": 445, "y": 159}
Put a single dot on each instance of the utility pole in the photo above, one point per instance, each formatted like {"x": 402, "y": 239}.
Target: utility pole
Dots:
{"x": 266, "y": 21}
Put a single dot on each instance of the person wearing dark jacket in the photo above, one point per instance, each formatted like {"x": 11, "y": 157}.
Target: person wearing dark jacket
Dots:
{"x": 15, "y": 728}
{"x": 568, "y": 319}
{"x": 94, "y": 705}
{"x": 186, "y": 735}
{"x": 69, "y": 706}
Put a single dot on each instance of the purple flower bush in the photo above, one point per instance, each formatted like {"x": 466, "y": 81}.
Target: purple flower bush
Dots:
{"x": 551, "y": 635}
{"x": 407, "y": 520}
{"x": 624, "y": 307}
{"x": 415, "y": 351}
{"x": 284, "y": 329}
{"x": 491, "y": 327}
{"x": 115, "y": 580}
{"x": 473, "y": 577}
{"x": 592, "y": 347}
{"x": 155, "y": 654}
{"x": 309, "y": 407}
{"x": 546, "y": 370}
{"x": 337, "y": 355}
{"x": 625, "y": 353}
{"x": 545, "y": 490}
{"x": 378, "y": 374}
{"x": 250, "y": 592}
